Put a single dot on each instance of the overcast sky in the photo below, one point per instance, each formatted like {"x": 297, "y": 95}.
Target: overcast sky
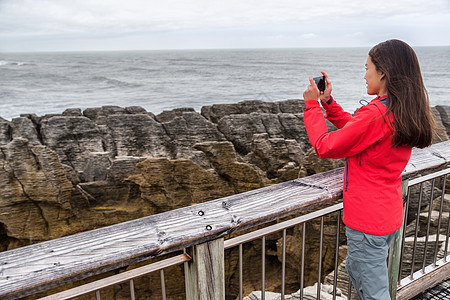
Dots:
{"x": 59, "y": 25}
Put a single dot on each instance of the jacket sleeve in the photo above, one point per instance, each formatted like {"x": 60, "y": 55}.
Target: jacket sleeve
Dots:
{"x": 358, "y": 133}
{"x": 335, "y": 114}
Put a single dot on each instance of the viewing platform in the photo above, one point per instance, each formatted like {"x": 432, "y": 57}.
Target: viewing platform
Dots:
{"x": 200, "y": 237}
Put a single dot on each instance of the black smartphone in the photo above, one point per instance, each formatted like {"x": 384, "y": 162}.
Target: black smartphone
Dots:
{"x": 320, "y": 82}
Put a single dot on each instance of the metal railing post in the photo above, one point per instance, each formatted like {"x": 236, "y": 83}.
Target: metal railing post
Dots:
{"x": 205, "y": 273}
{"x": 395, "y": 250}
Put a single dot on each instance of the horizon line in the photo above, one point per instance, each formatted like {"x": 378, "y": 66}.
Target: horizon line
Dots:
{"x": 204, "y": 49}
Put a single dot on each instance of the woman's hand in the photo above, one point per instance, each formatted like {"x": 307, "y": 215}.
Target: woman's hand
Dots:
{"x": 326, "y": 95}
{"x": 312, "y": 91}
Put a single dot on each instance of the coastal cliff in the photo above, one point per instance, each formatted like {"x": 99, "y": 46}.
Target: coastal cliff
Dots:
{"x": 80, "y": 170}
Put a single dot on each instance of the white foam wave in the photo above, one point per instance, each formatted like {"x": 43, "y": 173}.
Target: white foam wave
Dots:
{"x": 11, "y": 63}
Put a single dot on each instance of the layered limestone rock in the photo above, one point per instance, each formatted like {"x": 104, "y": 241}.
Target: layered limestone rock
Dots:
{"x": 167, "y": 185}
{"x": 35, "y": 194}
{"x": 444, "y": 113}
{"x": 5, "y": 131}
{"x": 217, "y": 111}
{"x": 72, "y": 137}
{"x": 280, "y": 158}
{"x": 187, "y": 129}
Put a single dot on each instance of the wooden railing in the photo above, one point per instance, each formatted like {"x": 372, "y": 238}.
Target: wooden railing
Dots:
{"x": 39, "y": 267}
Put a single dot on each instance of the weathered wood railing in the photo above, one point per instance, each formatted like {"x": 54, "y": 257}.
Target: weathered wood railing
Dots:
{"x": 29, "y": 270}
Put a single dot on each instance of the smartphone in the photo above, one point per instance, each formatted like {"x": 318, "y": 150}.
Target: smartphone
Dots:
{"x": 320, "y": 82}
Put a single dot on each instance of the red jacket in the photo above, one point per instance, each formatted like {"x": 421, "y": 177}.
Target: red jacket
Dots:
{"x": 372, "y": 179}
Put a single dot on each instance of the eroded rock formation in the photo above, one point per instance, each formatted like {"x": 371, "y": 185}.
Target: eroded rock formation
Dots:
{"x": 116, "y": 164}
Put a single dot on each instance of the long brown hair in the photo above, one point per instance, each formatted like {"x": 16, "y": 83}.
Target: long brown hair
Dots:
{"x": 408, "y": 100}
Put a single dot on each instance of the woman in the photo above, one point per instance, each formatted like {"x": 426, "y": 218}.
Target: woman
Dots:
{"x": 376, "y": 143}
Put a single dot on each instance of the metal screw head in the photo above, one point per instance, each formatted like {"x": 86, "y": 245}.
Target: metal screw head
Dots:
{"x": 201, "y": 213}
{"x": 208, "y": 227}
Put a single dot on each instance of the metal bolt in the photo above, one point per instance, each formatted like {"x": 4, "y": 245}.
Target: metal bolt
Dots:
{"x": 208, "y": 227}
{"x": 201, "y": 213}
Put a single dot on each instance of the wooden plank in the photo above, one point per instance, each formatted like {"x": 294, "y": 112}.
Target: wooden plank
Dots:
{"x": 205, "y": 273}
{"x": 395, "y": 251}
{"x": 432, "y": 276}
{"x": 428, "y": 158}
{"x": 38, "y": 267}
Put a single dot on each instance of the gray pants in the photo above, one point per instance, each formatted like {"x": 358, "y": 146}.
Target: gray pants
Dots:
{"x": 366, "y": 263}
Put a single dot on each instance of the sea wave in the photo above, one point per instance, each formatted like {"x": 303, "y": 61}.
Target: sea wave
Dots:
{"x": 11, "y": 63}
{"x": 114, "y": 82}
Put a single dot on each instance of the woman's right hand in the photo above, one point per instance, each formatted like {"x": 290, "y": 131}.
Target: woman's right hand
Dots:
{"x": 326, "y": 95}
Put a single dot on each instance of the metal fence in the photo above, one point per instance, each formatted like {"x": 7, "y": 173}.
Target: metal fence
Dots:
{"x": 127, "y": 276}
{"x": 431, "y": 259}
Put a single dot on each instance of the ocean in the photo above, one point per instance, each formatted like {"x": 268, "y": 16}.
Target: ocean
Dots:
{"x": 48, "y": 83}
